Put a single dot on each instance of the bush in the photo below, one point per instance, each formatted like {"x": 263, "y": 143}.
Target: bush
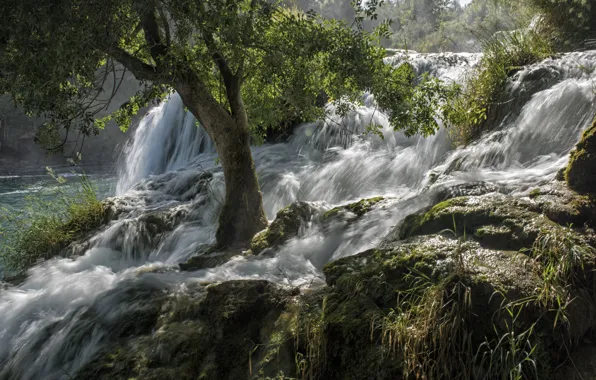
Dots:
{"x": 45, "y": 227}
{"x": 504, "y": 54}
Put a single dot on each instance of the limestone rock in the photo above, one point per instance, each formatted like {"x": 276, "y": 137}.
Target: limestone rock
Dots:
{"x": 581, "y": 171}
{"x": 286, "y": 225}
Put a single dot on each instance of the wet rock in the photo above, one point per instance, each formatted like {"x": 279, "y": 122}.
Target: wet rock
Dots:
{"x": 476, "y": 282}
{"x": 466, "y": 274}
{"x": 466, "y": 189}
{"x": 210, "y": 258}
{"x": 210, "y": 332}
{"x": 500, "y": 221}
{"x": 581, "y": 364}
{"x": 13, "y": 280}
{"x": 580, "y": 173}
{"x": 286, "y": 225}
{"x": 564, "y": 206}
{"x": 357, "y": 208}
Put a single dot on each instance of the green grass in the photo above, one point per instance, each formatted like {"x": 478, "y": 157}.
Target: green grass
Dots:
{"x": 45, "y": 227}
{"x": 483, "y": 90}
{"x": 562, "y": 261}
{"x": 427, "y": 330}
{"x": 513, "y": 352}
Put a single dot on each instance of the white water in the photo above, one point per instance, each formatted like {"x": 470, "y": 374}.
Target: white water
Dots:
{"x": 66, "y": 310}
{"x": 171, "y": 140}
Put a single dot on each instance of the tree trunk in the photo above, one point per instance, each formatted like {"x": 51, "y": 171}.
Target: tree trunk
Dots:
{"x": 242, "y": 215}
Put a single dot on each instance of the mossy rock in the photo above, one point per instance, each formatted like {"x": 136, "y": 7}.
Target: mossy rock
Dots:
{"x": 444, "y": 295}
{"x": 499, "y": 221}
{"x": 564, "y": 206}
{"x": 382, "y": 282}
{"x": 357, "y": 208}
{"x": 534, "y": 193}
{"x": 220, "y": 331}
{"x": 581, "y": 170}
{"x": 286, "y": 225}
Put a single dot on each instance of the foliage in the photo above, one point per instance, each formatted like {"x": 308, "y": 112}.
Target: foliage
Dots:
{"x": 44, "y": 227}
{"x": 504, "y": 54}
{"x": 56, "y": 53}
{"x": 427, "y": 329}
{"x": 572, "y": 20}
{"x": 513, "y": 351}
{"x": 415, "y": 103}
{"x": 563, "y": 262}
{"x": 434, "y": 25}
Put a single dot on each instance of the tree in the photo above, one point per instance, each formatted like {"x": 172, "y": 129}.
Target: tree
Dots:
{"x": 240, "y": 66}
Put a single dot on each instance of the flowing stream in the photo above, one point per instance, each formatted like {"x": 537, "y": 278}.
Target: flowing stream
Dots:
{"x": 61, "y": 315}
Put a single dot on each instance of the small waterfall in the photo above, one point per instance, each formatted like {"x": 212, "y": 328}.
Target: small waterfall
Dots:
{"x": 167, "y": 139}
{"x": 171, "y": 192}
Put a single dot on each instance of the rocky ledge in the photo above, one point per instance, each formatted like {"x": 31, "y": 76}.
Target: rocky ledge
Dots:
{"x": 482, "y": 286}
{"x": 475, "y": 287}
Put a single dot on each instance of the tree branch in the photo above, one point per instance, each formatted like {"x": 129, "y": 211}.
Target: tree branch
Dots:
{"x": 146, "y": 11}
{"x": 138, "y": 68}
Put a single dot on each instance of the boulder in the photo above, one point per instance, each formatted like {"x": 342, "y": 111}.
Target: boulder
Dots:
{"x": 581, "y": 171}
{"x": 286, "y": 225}
{"x": 219, "y": 331}
{"x": 210, "y": 258}
{"x": 474, "y": 287}
{"x": 357, "y": 209}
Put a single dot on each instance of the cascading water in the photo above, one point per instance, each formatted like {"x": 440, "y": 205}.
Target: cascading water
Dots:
{"x": 171, "y": 192}
{"x": 166, "y": 139}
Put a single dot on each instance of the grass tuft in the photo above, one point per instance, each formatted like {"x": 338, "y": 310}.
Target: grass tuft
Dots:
{"x": 45, "y": 227}
{"x": 504, "y": 54}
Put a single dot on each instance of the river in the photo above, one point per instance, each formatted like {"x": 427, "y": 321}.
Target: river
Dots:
{"x": 171, "y": 171}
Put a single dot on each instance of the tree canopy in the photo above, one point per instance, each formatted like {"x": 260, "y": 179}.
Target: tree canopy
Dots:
{"x": 55, "y": 54}
{"x": 240, "y": 66}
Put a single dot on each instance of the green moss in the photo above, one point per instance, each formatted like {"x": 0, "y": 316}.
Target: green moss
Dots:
{"x": 331, "y": 213}
{"x": 359, "y": 208}
{"x": 286, "y": 225}
{"x": 535, "y": 193}
{"x": 414, "y": 224}
{"x": 582, "y": 163}
{"x": 363, "y": 206}
{"x": 499, "y": 221}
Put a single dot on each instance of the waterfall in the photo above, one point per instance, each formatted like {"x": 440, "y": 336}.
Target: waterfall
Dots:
{"x": 167, "y": 139}
{"x": 170, "y": 193}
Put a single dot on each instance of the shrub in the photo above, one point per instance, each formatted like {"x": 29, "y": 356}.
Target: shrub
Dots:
{"x": 504, "y": 54}
{"x": 45, "y": 227}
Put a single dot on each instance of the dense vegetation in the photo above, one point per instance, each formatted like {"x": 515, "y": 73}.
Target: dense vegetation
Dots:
{"x": 483, "y": 89}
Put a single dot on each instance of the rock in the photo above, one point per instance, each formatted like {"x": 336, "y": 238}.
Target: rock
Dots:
{"x": 580, "y": 173}
{"x": 581, "y": 364}
{"x": 465, "y": 189}
{"x": 495, "y": 219}
{"x": 564, "y": 206}
{"x": 471, "y": 281}
{"x": 209, "y": 258}
{"x": 219, "y": 331}
{"x": 286, "y": 225}
{"x": 465, "y": 285}
{"x": 357, "y": 208}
